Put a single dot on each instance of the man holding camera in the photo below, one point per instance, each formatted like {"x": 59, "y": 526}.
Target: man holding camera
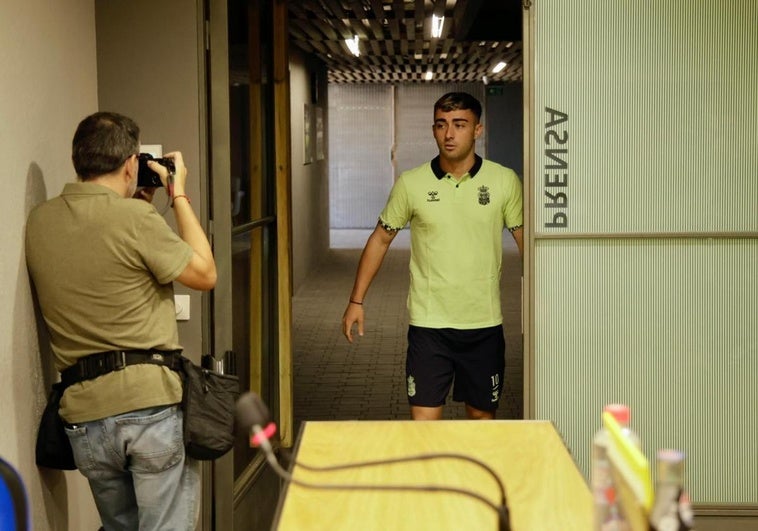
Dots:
{"x": 103, "y": 263}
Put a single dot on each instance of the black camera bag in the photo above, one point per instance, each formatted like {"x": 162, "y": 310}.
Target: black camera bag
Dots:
{"x": 208, "y": 406}
{"x": 53, "y": 449}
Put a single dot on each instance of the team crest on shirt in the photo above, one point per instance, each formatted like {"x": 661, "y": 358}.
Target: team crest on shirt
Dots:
{"x": 484, "y": 195}
{"x": 432, "y": 196}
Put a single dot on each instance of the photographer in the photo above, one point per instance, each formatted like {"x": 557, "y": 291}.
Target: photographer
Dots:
{"x": 103, "y": 264}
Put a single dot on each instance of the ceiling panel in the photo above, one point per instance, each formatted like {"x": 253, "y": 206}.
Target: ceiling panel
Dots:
{"x": 396, "y": 43}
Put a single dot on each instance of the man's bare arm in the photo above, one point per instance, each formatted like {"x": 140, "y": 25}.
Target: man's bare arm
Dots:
{"x": 369, "y": 264}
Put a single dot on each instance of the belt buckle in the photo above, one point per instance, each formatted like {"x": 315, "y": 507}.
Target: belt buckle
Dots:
{"x": 120, "y": 360}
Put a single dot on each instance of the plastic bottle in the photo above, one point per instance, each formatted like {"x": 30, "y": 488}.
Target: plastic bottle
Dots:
{"x": 608, "y": 515}
{"x": 672, "y": 510}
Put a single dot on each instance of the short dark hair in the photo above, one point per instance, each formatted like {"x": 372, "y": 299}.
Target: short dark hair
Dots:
{"x": 102, "y": 142}
{"x": 454, "y": 101}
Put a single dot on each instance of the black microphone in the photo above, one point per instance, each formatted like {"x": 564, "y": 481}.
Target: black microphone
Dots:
{"x": 252, "y": 414}
{"x": 251, "y": 411}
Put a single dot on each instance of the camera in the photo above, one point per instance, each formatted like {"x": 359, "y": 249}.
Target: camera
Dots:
{"x": 146, "y": 177}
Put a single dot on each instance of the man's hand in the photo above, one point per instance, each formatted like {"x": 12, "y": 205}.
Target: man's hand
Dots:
{"x": 178, "y": 179}
{"x": 353, "y": 314}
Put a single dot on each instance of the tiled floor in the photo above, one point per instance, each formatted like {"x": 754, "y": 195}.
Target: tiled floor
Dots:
{"x": 336, "y": 380}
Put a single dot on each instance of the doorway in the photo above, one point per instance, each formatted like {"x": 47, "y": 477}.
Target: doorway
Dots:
{"x": 249, "y": 183}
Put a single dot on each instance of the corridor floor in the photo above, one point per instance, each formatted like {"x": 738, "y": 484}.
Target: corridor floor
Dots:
{"x": 365, "y": 380}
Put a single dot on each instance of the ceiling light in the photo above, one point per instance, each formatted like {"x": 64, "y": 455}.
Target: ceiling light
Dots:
{"x": 429, "y": 75}
{"x": 437, "y": 23}
{"x": 352, "y": 45}
{"x": 498, "y": 67}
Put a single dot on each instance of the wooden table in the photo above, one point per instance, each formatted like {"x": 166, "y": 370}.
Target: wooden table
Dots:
{"x": 544, "y": 488}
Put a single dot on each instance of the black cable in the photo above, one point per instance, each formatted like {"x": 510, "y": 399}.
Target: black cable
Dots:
{"x": 501, "y": 511}
{"x": 251, "y": 413}
{"x": 417, "y": 457}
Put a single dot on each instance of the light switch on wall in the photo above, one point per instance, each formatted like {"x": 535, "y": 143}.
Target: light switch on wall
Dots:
{"x": 156, "y": 150}
{"x": 182, "y": 304}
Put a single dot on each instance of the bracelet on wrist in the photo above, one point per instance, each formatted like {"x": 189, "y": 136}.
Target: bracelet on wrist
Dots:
{"x": 356, "y": 302}
{"x": 174, "y": 198}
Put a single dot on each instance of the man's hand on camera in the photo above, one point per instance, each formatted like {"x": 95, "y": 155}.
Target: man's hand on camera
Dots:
{"x": 179, "y": 176}
{"x": 180, "y": 172}
{"x": 161, "y": 170}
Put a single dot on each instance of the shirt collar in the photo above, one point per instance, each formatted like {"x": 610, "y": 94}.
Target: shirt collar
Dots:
{"x": 440, "y": 173}
{"x": 87, "y": 188}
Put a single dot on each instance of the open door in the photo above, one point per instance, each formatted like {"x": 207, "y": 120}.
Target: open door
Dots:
{"x": 249, "y": 182}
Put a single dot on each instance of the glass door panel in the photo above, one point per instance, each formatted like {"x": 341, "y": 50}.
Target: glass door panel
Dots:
{"x": 251, "y": 205}
{"x": 251, "y": 315}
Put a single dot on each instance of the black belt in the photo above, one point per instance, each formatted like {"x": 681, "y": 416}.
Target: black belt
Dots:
{"x": 101, "y": 363}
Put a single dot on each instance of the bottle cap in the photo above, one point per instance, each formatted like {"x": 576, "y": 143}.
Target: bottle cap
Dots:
{"x": 670, "y": 455}
{"x": 670, "y": 465}
{"x": 620, "y": 412}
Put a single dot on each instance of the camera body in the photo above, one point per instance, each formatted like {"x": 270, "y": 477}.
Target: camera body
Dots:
{"x": 146, "y": 177}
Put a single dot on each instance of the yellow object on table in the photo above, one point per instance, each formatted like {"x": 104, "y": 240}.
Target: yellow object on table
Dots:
{"x": 631, "y": 474}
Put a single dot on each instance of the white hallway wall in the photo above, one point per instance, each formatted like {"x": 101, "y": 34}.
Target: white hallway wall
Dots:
{"x": 49, "y": 82}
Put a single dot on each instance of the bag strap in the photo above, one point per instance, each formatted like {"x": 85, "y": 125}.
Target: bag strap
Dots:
{"x": 101, "y": 363}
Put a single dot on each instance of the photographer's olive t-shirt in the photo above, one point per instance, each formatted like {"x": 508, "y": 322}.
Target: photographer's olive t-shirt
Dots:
{"x": 103, "y": 267}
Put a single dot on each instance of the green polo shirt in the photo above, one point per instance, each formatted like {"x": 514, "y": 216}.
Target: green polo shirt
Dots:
{"x": 456, "y": 240}
{"x": 102, "y": 266}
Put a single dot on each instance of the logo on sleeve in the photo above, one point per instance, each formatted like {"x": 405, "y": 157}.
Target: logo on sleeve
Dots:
{"x": 432, "y": 196}
{"x": 484, "y": 195}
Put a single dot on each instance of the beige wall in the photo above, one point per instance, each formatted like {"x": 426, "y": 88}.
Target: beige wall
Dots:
{"x": 310, "y": 191}
{"x": 149, "y": 68}
{"x": 49, "y": 82}
{"x": 56, "y": 71}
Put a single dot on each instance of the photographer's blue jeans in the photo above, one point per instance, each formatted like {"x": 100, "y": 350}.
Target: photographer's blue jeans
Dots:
{"x": 137, "y": 470}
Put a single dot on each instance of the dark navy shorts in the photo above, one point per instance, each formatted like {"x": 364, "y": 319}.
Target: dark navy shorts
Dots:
{"x": 473, "y": 359}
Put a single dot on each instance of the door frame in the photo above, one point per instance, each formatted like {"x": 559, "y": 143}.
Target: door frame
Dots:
{"x": 221, "y": 493}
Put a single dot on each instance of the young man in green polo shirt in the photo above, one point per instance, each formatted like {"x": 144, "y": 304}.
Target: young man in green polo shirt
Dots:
{"x": 457, "y": 206}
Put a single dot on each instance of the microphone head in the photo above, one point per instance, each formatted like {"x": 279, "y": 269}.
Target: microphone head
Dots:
{"x": 251, "y": 411}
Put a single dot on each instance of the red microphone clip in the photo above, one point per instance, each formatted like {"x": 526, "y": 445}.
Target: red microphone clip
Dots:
{"x": 266, "y": 433}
